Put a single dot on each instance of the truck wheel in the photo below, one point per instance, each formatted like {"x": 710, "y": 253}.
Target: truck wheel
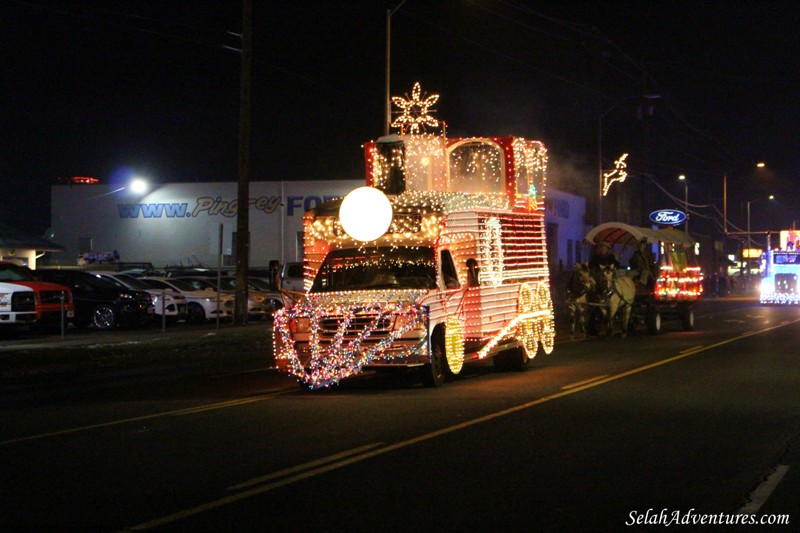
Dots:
{"x": 195, "y": 313}
{"x": 517, "y": 359}
{"x": 435, "y": 372}
{"x": 500, "y": 361}
{"x": 687, "y": 318}
{"x": 104, "y": 317}
{"x": 653, "y": 321}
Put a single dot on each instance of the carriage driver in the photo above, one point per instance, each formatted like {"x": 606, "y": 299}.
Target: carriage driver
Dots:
{"x": 603, "y": 256}
{"x": 643, "y": 264}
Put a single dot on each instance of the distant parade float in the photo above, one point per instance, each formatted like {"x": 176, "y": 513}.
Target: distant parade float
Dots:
{"x": 440, "y": 260}
{"x": 781, "y": 269}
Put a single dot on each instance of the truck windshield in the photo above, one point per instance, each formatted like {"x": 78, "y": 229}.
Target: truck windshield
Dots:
{"x": 786, "y": 259}
{"x": 377, "y": 268}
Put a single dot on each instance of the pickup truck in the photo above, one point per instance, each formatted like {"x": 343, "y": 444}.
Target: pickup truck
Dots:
{"x": 17, "y": 304}
{"x": 51, "y": 299}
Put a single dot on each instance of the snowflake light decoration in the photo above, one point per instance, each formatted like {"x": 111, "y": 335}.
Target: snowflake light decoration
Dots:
{"x": 415, "y": 110}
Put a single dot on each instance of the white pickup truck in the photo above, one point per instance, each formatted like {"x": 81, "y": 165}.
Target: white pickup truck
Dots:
{"x": 17, "y": 304}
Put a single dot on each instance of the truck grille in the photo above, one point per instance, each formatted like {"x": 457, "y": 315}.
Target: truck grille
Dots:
{"x": 786, "y": 283}
{"x": 376, "y": 331}
{"x": 23, "y": 301}
{"x": 52, "y": 297}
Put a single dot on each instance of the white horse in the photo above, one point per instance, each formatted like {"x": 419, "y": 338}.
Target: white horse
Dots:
{"x": 619, "y": 292}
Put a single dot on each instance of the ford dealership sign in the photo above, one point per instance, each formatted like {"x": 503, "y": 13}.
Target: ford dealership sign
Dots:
{"x": 669, "y": 217}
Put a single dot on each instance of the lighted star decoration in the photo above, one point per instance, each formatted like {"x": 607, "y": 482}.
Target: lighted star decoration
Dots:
{"x": 619, "y": 173}
{"x": 415, "y": 110}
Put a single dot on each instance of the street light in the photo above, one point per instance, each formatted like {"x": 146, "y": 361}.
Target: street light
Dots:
{"x": 749, "y": 240}
{"x": 685, "y": 202}
{"x": 138, "y": 185}
{"x": 389, "y": 13}
{"x": 600, "y": 147}
{"x": 760, "y": 164}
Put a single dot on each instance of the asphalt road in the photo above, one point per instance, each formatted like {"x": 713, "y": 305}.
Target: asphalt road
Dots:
{"x": 600, "y": 434}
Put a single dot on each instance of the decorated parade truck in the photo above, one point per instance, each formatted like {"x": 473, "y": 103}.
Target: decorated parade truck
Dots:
{"x": 440, "y": 260}
{"x": 781, "y": 268}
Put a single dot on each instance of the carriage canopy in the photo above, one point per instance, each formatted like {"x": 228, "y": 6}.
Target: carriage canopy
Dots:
{"x": 621, "y": 235}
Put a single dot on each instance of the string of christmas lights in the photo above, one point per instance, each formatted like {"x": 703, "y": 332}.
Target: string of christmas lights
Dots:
{"x": 474, "y": 203}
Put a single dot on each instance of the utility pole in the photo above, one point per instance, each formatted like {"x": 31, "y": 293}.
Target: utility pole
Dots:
{"x": 243, "y": 197}
{"x": 389, "y": 13}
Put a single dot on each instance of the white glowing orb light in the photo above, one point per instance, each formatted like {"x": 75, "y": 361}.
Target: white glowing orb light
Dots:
{"x": 138, "y": 185}
{"x": 365, "y": 213}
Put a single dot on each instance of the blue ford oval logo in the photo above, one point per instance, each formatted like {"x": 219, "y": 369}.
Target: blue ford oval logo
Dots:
{"x": 669, "y": 217}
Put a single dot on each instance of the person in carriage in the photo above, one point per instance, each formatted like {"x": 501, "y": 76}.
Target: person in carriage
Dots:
{"x": 602, "y": 257}
{"x": 643, "y": 265}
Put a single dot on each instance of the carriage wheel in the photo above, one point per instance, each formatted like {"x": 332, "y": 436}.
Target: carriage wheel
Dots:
{"x": 653, "y": 319}
{"x": 527, "y": 330}
{"x": 547, "y": 326}
{"x": 686, "y": 314}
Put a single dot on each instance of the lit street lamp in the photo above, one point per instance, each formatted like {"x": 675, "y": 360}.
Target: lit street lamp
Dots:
{"x": 600, "y": 147}
{"x": 760, "y": 164}
{"x": 685, "y": 202}
{"x": 749, "y": 240}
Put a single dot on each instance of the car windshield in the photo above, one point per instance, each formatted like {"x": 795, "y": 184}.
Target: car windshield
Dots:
{"x": 208, "y": 284}
{"x": 11, "y": 272}
{"x": 178, "y": 284}
{"x": 133, "y": 283}
{"x": 260, "y": 284}
{"x": 377, "y": 268}
{"x": 100, "y": 282}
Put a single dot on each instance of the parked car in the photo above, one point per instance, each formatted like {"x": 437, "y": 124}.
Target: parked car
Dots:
{"x": 17, "y": 304}
{"x": 100, "y": 302}
{"x": 292, "y": 277}
{"x": 274, "y": 298}
{"x": 201, "y": 303}
{"x": 257, "y": 304}
{"x": 52, "y": 300}
{"x": 172, "y": 305}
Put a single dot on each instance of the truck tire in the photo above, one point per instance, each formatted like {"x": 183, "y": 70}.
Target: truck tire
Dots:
{"x": 434, "y": 373}
{"x": 517, "y": 359}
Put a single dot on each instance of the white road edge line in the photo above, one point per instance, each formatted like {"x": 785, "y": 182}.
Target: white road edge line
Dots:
{"x": 763, "y": 491}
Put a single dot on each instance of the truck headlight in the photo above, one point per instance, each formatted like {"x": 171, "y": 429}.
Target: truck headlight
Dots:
{"x": 299, "y": 325}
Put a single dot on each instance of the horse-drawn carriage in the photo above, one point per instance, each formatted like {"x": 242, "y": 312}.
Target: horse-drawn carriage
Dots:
{"x": 655, "y": 274}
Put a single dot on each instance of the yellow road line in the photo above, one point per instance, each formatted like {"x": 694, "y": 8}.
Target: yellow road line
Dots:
{"x": 584, "y": 382}
{"x": 304, "y": 466}
{"x": 428, "y": 436}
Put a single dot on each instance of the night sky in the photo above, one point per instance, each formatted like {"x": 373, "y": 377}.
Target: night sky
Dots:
{"x": 110, "y": 88}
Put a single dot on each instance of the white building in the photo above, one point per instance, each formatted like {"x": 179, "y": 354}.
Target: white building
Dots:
{"x": 180, "y": 223}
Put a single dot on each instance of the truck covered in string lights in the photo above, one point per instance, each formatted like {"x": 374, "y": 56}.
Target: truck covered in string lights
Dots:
{"x": 438, "y": 261}
{"x": 781, "y": 270}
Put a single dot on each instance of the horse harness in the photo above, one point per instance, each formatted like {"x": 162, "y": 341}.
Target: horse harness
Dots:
{"x": 613, "y": 290}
